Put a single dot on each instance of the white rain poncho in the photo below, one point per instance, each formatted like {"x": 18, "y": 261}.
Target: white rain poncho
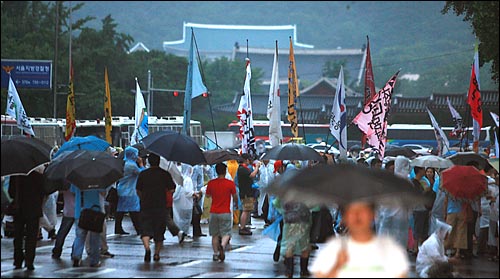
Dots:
{"x": 432, "y": 250}
{"x": 183, "y": 200}
{"x": 393, "y": 221}
{"x": 266, "y": 176}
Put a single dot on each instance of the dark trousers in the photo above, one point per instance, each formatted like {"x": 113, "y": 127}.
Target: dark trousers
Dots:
{"x": 171, "y": 225}
{"x": 64, "y": 229}
{"x": 195, "y": 221}
{"x": 135, "y": 216}
{"x": 265, "y": 209}
{"x": 471, "y": 229}
{"x": 482, "y": 241}
{"x": 24, "y": 248}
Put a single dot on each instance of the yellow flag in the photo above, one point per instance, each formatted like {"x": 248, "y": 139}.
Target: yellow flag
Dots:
{"x": 293, "y": 93}
{"x": 70, "y": 108}
{"x": 107, "y": 109}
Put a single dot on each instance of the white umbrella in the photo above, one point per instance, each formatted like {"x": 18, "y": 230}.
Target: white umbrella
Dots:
{"x": 431, "y": 161}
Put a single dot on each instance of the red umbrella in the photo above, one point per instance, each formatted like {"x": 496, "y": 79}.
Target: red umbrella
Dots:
{"x": 464, "y": 182}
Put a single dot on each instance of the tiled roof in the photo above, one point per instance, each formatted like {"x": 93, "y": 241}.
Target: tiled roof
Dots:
{"x": 417, "y": 104}
{"x": 216, "y": 38}
{"x": 315, "y": 104}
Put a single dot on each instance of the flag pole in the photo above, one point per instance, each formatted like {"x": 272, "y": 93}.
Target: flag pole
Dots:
{"x": 302, "y": 117}
{"x": 208, "y": 91}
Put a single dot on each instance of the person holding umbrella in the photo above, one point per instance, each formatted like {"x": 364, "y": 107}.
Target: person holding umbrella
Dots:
{"x": 152, "y": 185}
{"x": 27, "y": 193}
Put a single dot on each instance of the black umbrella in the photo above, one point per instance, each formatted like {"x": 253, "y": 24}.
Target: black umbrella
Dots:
{"x": 20, "y": 155}
{"x": 395, "y": 151}
{"x": 55, "y": 179}
{"x": 292, "y": 151}
{"x": 174, "y": 146}
{"x": 87, "y": 169}
{"x": 220, "y": 155}
{"x": 464, "y": 158}
{"x": 344, "y": 183}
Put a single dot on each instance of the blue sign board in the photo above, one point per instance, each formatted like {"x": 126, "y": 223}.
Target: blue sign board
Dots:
{"x": 27, "y": 73}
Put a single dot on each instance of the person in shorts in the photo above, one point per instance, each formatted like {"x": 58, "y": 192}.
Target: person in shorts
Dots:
{"x": 152, "y": 185}
{"x": 245, "y": 176}
{"x": 220, "y": 190}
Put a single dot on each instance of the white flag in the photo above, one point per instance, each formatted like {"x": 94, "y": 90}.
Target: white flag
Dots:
{"x": 16, "y": 110}
{"x": 338, "y": 118}
{"x": 458, "y": 130}
{"x": 496, "y": 146}
{"x": 245, "y": 115}
{"x": 141, "y": 117}
{"x": 442, "y": 140}
{"x": 495, "y": 117}
{"x": 274, "y": 106}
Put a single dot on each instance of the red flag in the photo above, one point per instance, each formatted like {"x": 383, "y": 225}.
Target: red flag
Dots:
{"x": 369, "y": 79}
{"x": 474, "y": 99}
{"x": 369, "y": 82}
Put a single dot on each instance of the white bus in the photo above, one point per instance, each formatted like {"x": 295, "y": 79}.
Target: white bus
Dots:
{"x": 51, "y": 130}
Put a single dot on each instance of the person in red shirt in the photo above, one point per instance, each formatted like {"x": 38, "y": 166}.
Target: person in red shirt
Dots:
{"x": 220, "y": 224}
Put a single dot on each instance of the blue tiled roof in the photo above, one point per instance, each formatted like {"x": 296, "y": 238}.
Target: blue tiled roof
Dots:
{"x": 211, "y": 37}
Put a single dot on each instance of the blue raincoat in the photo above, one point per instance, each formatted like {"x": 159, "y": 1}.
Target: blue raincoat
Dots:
{"x": 128, "y": 201}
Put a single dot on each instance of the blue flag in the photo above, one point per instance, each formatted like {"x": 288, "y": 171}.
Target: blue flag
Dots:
{"x": 194, "y": 86}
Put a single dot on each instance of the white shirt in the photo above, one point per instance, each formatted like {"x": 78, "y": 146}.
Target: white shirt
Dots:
{"x": 381, "y": 257}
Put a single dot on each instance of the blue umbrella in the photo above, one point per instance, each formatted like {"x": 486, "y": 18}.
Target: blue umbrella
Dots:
{"x": 85, "y": 143}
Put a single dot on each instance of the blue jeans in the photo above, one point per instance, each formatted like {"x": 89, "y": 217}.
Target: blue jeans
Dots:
{"x": 79, "y": 244}
{"x": 64, "y": 229}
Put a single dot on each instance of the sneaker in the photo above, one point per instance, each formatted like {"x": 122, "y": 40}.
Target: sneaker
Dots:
{"x": 56, "y": 253}
{"x": 52, "y": 234}
{"x": 147, "y": 256}
{"x": 245, "y": 232}
{"x": 98, "y": 264}
{"x": 222, "y": 254}
{"x": 188, "y": 238}
{"x": 181, "y": 236}
{"x": 215, "y": 258}
{"x": 107, "y": 254}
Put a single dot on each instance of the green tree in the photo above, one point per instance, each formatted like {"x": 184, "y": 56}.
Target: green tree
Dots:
{"x": 331, "y": 69}
{"x": 483, "y": 16}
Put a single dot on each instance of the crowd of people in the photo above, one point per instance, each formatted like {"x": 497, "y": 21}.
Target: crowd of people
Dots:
{"x": 158, "y": 195}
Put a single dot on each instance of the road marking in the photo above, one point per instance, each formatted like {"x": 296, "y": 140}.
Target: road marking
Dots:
{"x": 244, "y": 275}
{"x": 191, "y": 263}
{"x": 85, "y": 271}
{"x": 244, "y": 248}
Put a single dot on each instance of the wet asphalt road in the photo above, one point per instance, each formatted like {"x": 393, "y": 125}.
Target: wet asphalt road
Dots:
{"x": 250, "y": 257}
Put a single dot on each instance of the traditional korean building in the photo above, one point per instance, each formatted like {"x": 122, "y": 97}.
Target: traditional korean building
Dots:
{"x": 230, "y": 41}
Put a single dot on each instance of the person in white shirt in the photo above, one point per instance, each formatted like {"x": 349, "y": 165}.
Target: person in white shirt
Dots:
{"x": 361, "y": 254}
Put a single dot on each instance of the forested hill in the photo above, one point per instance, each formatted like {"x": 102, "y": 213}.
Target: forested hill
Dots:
{"x": 413, "y": 36}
